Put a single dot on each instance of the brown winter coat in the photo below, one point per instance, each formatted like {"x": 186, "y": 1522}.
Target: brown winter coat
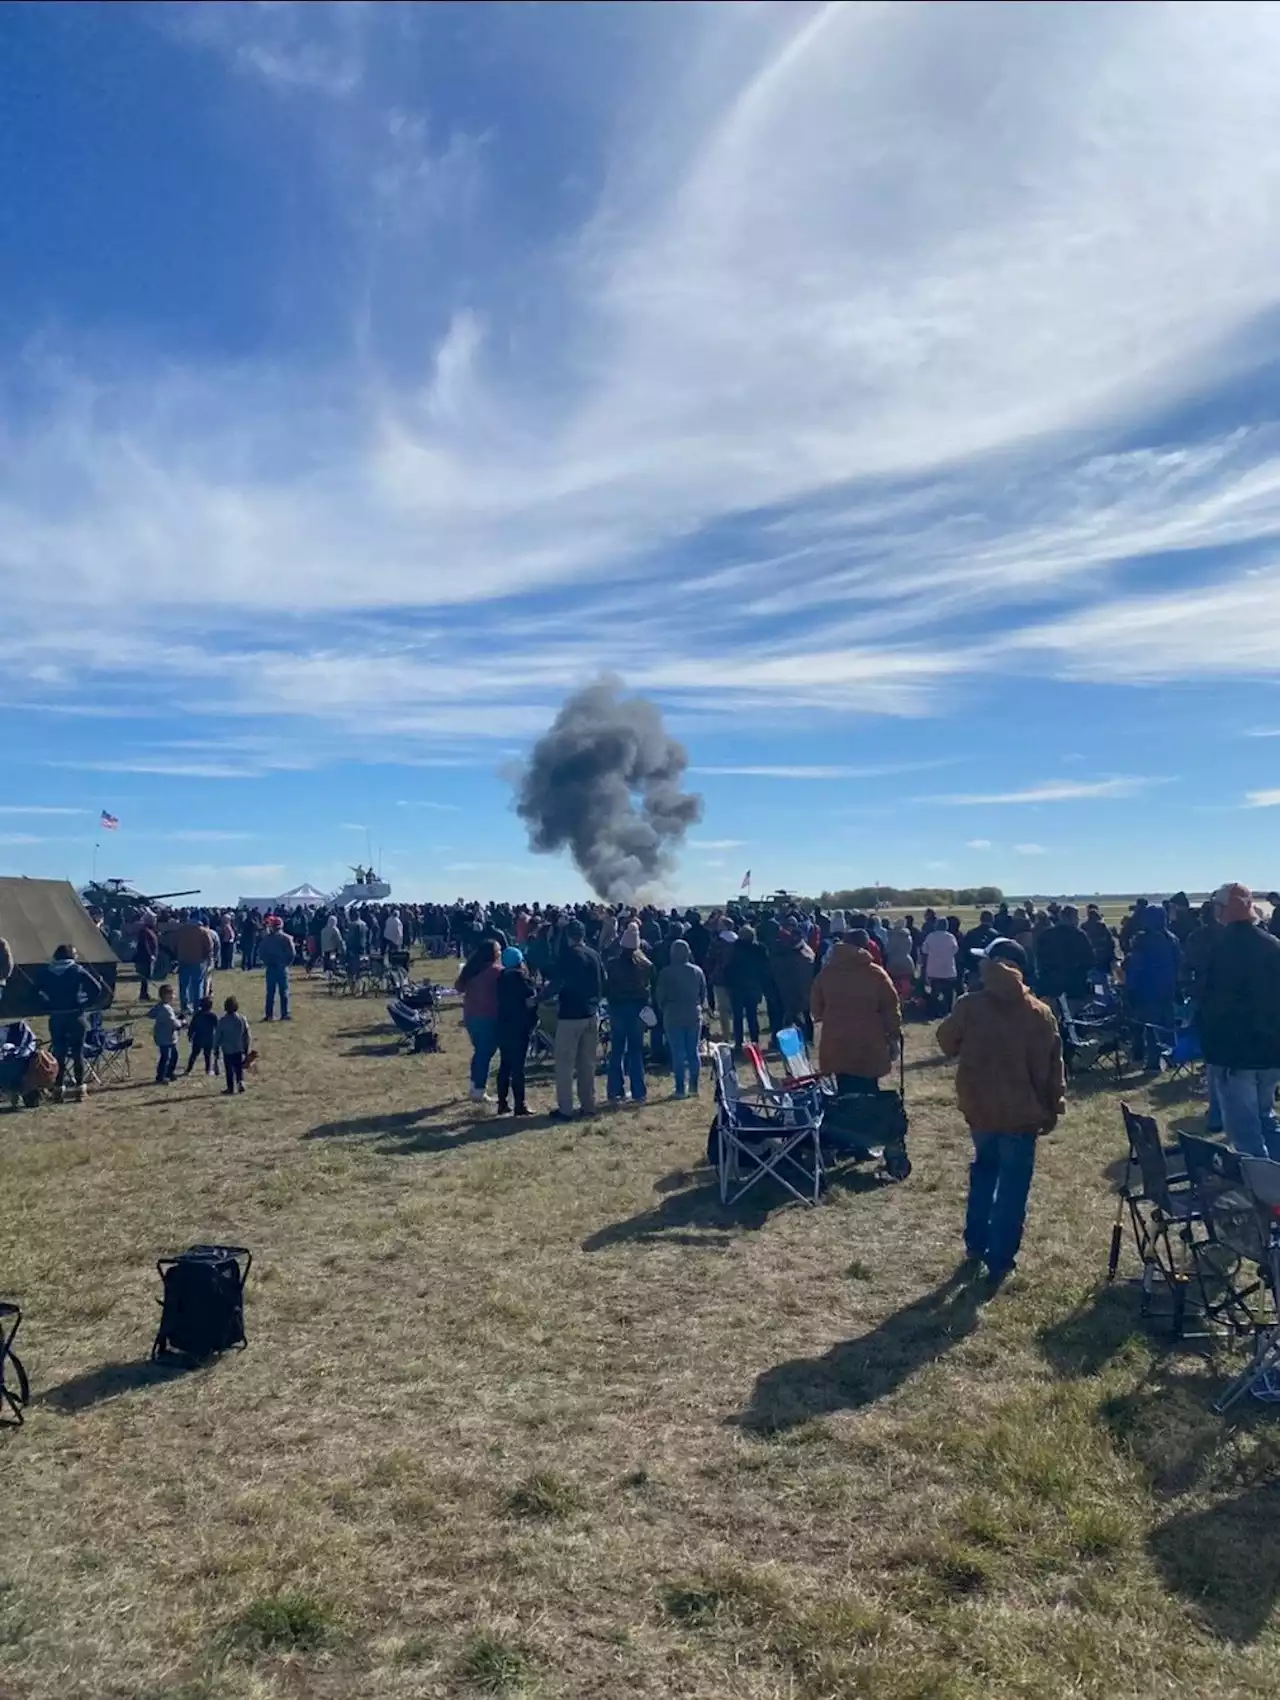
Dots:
{"x": 1010, "y": 1078}
{"x": 855, "y": 1001}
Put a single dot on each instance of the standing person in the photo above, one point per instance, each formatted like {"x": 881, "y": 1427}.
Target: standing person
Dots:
{"x": 1011, "y": 1089}
{"x": 276, "y": 951}
{"x": 578, "y": 984}
{"x": 393, "y": 931}
{"x": 855, "y": 1001}
{"x": 144, "y": 960}
{"x": 249, "y": 930}
{"x": 745, "y": 975}
{"x": 682, "y": 996}
{"x": 717, "y": 968}
{"x": 6, "y": 964}
{"x": 166, "y": 1024}
{"x": 330, "y": 941}
{"x": 517, "y": 1011}
{"x": 1103, "y": 940}
{"x": 900, "y": 959}
{"x": 1065, "y": 959}
{"x": 196, "y": 950}
{"x": 939, "y": 950}
{"x": 66, "y": 988}
{"x": 628, "y": 981}
{"x": 357, "y": 941}
{"x": 235, "y": 1042}
{"x": 1151, "y": 980}
{"x": 1238, "y": 1017}
{"x": 792, "y": 963}
{"x": 227, "y": 943}
{"x": 478, "y": 983}
{"x": 203, "y": 1033}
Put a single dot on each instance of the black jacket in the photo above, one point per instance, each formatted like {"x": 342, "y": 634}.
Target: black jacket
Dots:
{"x": 1064, "y": 962}
{"x": 579, "y": 980}
{"x": 748, "y": 969}
{"x": 1239, "y": 1011}
{"x": 67, "y": 990}
{"x": 517, "y": 1001}
{"x": 629, "y": 977}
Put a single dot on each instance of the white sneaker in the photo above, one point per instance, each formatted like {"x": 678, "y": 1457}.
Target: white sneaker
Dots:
{"x": 480, "y": 1096}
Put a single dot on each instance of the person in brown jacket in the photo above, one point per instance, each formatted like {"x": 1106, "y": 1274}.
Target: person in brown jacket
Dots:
{"x": 861, "y": 1017}
{"x": 1011, "y": 1088}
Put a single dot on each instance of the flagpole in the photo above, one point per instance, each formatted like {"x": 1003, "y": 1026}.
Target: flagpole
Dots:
{"x": 94, "y": 875}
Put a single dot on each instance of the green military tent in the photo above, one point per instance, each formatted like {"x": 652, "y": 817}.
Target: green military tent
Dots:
{"x": 36, "y": 916}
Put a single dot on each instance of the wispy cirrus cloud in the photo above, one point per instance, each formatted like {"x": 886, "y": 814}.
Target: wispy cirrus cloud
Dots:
{"x": 1030, "y": 850}
{"x": 1262, "y": 799}
{"x": 1051, "y": 791}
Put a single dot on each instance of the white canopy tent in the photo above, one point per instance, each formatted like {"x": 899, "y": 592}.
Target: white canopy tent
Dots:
{"x": 301, "y": 897}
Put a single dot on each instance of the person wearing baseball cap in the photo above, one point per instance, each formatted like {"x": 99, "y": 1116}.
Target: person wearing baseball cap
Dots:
{"x": 1238, "y": 1019}
{"x": 1011, "y": 1088}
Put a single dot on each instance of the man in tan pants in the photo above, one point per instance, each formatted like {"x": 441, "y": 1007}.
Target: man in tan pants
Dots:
{"x": 578, "y": 982}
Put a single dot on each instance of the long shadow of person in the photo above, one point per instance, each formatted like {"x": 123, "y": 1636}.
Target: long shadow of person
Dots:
{"x": 1225, "y": 1561}
{"x": 693, "y": 1217}
{"x": 857, "y": 1372}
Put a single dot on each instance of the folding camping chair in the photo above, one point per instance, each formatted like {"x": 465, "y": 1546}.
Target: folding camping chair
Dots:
{"x": 1160, "y": 1204}
{"x": 1231, "y": 1236}
{"x": 13, "y": 1396}
{"x": 795, "y": 1056}
{"x": 778, "y": 1135}
{"x": 1261, "y": 1376}
{"x": 1092, "y": 1038}
{"x": 106, "y": 1051}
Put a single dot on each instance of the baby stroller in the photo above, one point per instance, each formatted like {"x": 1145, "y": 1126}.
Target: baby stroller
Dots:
{"x": 863, "y": 1126}
{"x": 413, "y": 1015}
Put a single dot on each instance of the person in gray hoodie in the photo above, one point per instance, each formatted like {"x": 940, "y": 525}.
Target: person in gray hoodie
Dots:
{"x": 682, "y": 997}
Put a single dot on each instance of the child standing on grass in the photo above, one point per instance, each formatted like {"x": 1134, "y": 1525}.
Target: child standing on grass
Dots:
{"x": 203, "y": 1033}
{"x": 166, "y": 1024}
{"x": 235, "y": 1043}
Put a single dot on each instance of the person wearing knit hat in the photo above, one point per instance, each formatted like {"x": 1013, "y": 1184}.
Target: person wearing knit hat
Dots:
{"x": 517, "y": 1003}
{"x": 1238, "y": 1019}
{"x": 628, "y": 987}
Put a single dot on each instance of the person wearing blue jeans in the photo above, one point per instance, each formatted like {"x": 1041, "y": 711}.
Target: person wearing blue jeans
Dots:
{"x": 1011, "y": 1088}
{"x": 276, "y": 951}
{"x": 191, "y": 979}
{"x": 1238, "y": 1019}
{"x": 482, "y": 1030}
{"x": 1246, "y": 1102}
{"x": 681, "y": 996}
{"x": 626, "y": 1052}
{"x": 685, "y": 1065}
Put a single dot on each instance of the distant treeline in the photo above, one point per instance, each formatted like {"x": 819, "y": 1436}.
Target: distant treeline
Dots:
{"x": 867, "y": 896}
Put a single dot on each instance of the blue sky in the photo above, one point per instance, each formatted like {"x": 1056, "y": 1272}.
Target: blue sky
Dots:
{"x": 889, "y": 391}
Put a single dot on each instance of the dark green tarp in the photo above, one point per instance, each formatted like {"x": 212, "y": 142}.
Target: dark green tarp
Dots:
{"x": 36, "y": 916}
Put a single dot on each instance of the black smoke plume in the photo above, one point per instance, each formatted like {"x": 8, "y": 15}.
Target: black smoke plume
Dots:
{"x": 604, "y": 780}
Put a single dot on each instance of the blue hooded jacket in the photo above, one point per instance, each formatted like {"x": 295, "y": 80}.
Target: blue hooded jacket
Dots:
{"x": 1151, "y": 968}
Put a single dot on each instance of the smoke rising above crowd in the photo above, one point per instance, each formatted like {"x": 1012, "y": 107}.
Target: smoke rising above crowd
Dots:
{"x": 604, "y": 781}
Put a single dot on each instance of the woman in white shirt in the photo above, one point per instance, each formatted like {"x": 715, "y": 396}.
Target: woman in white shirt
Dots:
{"x": 938, "y": 952}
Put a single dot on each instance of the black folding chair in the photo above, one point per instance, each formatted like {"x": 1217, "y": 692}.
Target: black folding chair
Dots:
{"x": 1090, "y": 1042}
{"x": 1229, "y": 1234}
{"x": 1261, "y": 1375}
{"x": 1156, "y": 1194}
{"x": 13, "y": 1396}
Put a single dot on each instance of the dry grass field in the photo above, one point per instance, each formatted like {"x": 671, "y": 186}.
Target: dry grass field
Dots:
{"x": 524, "y": 1411}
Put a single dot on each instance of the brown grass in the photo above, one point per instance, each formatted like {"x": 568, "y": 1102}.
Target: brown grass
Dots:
{"x": 524, "y": 1411}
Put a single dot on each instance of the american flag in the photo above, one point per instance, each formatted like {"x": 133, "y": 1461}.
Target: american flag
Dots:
{"x": 746, "y": 881}
{"x": 108, "y": 823}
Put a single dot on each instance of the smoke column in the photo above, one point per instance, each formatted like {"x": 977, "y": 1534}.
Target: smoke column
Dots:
{"x": 604, "y": 780}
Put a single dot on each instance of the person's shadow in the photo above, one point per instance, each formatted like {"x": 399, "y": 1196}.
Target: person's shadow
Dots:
{"x": 857, "y": 1372}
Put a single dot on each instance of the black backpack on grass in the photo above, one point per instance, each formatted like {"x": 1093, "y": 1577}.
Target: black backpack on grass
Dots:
{"x": 202, "y": 1311}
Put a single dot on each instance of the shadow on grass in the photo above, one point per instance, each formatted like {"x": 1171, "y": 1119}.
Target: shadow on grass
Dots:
{"x": 387, "y": 1048}
{"x": 694, "y": 1217}
{"x": 858, "y": 1372}
{"x": 1100, "y": 1327}
{"x": 1225, "y": 1561}
{"x": 108, "y": 1381}
{"x": 402, "y": 1132}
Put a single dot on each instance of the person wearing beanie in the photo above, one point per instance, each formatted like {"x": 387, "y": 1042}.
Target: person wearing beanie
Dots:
{"x": 628, "y": 984}
{"x": 1011, "y": 1088}
{"x": 1238, "y": 1020}
{"x": 276, "y": 952}
{"x": 861, "y": 1019}
{"x": 517, "y": 1012}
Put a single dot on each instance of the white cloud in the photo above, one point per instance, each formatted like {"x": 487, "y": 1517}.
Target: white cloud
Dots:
{"x": 978, "y": 844}
{"x": 1262, "y": 799}
{"x": 37, "y": 809}
{"x": 412, "y": 803}
{"x": 716, "y": 843}
{"x": 1030, "y": 850}
{"x": 1053, "y": 791}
